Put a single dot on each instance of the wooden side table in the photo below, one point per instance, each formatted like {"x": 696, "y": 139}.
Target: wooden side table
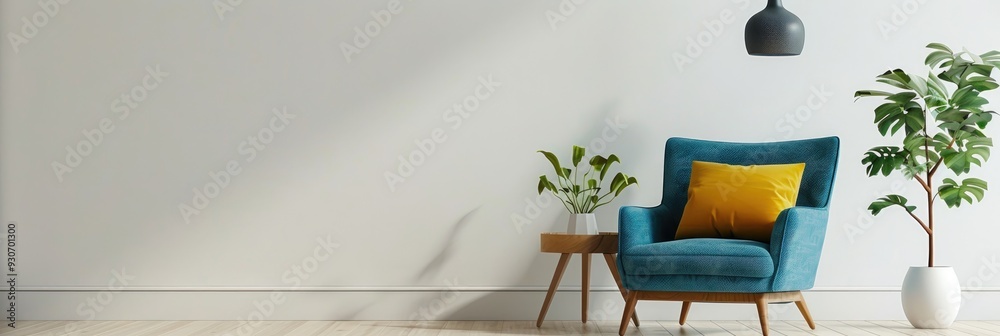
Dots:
{"x": 567, "y": 244}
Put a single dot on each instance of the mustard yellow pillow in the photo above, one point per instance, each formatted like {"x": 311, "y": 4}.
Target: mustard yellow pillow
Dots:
{"x": 742, "y": 202}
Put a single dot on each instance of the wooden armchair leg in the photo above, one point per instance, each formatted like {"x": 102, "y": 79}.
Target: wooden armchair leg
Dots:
{"x": 761, "y": 302}
{"x": 610, "y": 259}
{"x": 685, "y": 308}
{"x": 801, "y": 303}
{"x": 633, "y": 298}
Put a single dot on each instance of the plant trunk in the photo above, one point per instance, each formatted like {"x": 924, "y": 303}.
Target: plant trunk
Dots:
{"x": 930, "y": 224}
{"x": 930, "y": 250}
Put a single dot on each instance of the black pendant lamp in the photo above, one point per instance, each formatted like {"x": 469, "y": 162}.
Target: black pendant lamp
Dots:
{"x": 775, "y": 32}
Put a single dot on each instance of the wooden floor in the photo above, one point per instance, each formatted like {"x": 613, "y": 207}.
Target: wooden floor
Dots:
{"x": 308, "y": 328}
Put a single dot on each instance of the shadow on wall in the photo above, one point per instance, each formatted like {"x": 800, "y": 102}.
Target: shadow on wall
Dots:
{"x": 439, "y": 305}
{"x": 432, "y": 268}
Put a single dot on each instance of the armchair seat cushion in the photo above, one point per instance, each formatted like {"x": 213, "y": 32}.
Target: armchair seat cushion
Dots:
{"x": 700, "y": 256}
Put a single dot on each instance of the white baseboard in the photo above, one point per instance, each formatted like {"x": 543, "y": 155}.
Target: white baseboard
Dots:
{"x": 417, "y": 303}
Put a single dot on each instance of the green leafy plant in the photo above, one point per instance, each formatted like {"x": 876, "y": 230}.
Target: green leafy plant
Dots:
{"x": 584, "y": 195}
{"x": 942, "y": 118}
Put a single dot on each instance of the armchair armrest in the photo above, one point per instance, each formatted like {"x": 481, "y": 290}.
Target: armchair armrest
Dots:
{"x": 796, "y": 243}
{"x": 637, "y": 226}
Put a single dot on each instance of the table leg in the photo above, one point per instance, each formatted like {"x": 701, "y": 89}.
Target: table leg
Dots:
{"x": 610, "y": 258}
{"x": 560, "y": 268}
{"x": 585, "y": 291}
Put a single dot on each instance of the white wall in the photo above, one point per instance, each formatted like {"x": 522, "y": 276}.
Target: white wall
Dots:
{"x": 444, "y": 239}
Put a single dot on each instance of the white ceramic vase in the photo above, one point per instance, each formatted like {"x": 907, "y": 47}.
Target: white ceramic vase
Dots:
{"x": 931, "y": 297}
{"x": 582, "y": 224}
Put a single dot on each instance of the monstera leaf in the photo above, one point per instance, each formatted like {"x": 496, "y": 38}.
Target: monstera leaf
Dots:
{"x": 897, "y": 78}
{"x": 940, "y": 54}
{"x": 883, "y": 160}
{"x": 975, "y": 151}
{"x": 971, "y": 190}
{"x": 968, "y": 99}
{"x": 900, "y": 112}
{"x": 888, "y": 201}
{"x": 992, "y": 58}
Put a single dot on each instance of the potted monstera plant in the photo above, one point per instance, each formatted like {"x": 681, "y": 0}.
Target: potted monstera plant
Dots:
{"x": 581, "y": 194}
{"x": 938, "y": 124}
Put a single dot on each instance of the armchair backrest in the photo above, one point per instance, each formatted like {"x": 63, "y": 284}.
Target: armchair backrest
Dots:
{"x": 820, "y": 156}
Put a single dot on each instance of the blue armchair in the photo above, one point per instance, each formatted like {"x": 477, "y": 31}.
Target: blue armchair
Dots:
{"x": 655, "y": 266}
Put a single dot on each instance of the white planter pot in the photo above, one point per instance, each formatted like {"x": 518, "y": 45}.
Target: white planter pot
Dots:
{"x": 931, "y": 297}
{"x": 582, "y": 224}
